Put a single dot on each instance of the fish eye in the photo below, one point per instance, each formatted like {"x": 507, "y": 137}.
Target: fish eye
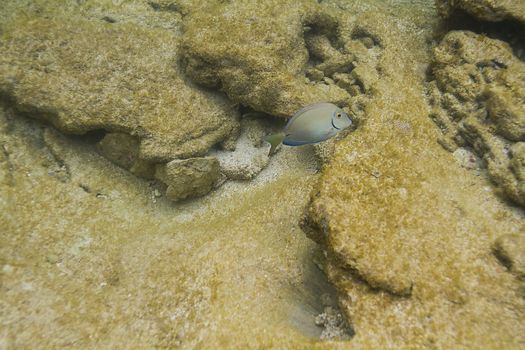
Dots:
{"x": 338, "y": 115}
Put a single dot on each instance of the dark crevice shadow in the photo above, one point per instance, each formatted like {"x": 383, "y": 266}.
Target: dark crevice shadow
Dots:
{"x": 314, "y": 305}
{"x": 509, "y": 31}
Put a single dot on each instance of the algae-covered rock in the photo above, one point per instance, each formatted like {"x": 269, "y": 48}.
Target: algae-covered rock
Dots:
{"x": 123, "y": 150}
{"x": 84, "y": 74}
{"x": 407, "y": 231}
{"x": 487, "y": 10}
{"x": 187, "y": 178}
{"x": 96, "y": 261}
{"x": 510, "y": 249}
{"x": 478, "y": 99}
{"x": 274, "y": 56}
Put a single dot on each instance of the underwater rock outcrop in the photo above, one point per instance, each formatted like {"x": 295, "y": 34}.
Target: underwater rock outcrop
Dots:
{"x": 407, "y": 231}
{"x": 82, "y": 75}
{"x": 188, "y": 177}
{"x": 299, "y": 54}
{"x": 478, "y": 99}
{"x": 63, "y": 65}
{"x": 486, "y": 10}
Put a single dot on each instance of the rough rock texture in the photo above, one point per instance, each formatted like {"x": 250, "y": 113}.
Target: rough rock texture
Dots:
{"x": 478, "y": 99}
{"x": 123, "y": 150}
{"x": 94, "y": 260}
{"x": 251, "y": 152}
{"x": 510, "y": 249}
{"x": 187, "y": 178}
{"x": 487, "y": 10}
{"x": 83, "y": 74}
{"x": 407, "y": 231}
{"x": 93, "y": 257}
{"x": 299, "y": 53}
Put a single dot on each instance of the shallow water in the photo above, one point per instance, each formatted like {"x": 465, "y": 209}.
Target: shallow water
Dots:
{"x": 94, "y": 256}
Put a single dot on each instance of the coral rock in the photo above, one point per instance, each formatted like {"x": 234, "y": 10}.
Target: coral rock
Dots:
{"x": 487, "y": 10}
{"x": 82, "y": 75}
{"x": 188, "y": 178}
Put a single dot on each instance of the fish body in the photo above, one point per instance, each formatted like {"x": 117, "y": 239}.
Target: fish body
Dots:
{"x": 311, "y": 124}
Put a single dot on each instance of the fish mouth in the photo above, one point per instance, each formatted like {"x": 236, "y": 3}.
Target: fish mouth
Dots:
{"x": 334, "y": 125}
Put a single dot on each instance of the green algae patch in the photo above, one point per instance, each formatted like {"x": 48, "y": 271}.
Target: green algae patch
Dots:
{"x": 408, "y": 232}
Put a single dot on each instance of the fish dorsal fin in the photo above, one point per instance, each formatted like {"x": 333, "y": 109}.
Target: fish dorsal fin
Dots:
{"x": 306, "y": 109}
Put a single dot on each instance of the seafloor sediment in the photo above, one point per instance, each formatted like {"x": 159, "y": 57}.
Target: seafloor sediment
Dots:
{"x": 115, "y": 113}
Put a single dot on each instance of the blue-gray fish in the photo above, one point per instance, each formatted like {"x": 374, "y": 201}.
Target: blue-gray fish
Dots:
{"x": 311, "y": 124}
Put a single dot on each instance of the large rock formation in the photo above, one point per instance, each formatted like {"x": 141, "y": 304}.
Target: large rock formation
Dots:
{"x": 487, "y": 10}
{"x": 83, "y": 75}
{"x": 478, "y": 99}
{"x": 299, "y": 54}
{"x": 407, "y": 231}
{"x": 62, "y": 64}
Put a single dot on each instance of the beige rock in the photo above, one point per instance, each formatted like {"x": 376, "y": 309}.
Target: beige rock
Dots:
{"x": 407, "y": 230}
{"x": 83, "y": 74}
{"x": 188, "y": 178}
{"x": 487, "y": 10}
{"x": 477, "y": 96}
{"x": 123, "y": 150}
{"x": 263, "y": 63}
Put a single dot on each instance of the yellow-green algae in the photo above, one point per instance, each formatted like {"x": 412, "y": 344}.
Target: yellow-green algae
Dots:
{"x": 90, "y": 257}
{"x": 96, "y": 261}
{"x": 408, "y": 232}
{"x": 255, "y": 52}
{"x": 478, "y": 95}
{"x": 82, "y": 73}
{"x": 487, "y": 10}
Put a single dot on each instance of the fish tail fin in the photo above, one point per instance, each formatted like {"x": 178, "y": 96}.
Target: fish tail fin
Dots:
{"x": 274, "y": 140}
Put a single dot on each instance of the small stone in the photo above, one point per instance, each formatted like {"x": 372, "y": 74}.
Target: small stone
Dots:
{"x": 188, "y": 178}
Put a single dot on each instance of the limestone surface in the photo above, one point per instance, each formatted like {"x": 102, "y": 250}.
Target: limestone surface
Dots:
{"x": 487, "y": 10}
{"x": 82, "y": 73}
{"x": 94, "y": 259}
{"x": 478, "y": 99}
{"x": 407, "y": 231}
{"x": 190, "y": 177}
{"x": 299, "y": 53}
{"x": 422, "y": 251}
